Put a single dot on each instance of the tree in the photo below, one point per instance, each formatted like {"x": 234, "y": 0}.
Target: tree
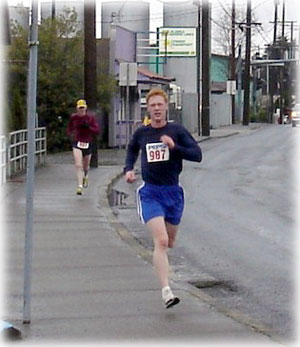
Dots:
{"x": 60, "y": 77}
{"x": 222, "y": 28}
{"x": 15, "y": 108}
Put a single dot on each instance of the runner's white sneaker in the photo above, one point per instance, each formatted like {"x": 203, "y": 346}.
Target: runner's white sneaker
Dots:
{"x": 169, "y": 298}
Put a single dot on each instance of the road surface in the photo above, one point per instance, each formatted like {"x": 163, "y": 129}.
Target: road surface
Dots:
{"x": 237, "y": 235}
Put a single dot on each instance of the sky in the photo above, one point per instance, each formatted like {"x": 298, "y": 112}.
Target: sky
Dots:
{"x": 263, "y": 10}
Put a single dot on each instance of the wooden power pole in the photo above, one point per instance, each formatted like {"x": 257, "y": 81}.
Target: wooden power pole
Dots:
{"x": 205, "y": 68}
{"x": 246, "y": 115}
{"x": 90, "y": 66}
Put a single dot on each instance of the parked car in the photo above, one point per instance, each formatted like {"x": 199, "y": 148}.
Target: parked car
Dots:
{"x": 295, "y": 114}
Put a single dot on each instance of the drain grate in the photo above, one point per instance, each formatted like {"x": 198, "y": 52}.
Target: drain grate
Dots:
{"x": 205, "y": 283}
{"x": 117, "y": 198}
{"x": 215, "y": 287}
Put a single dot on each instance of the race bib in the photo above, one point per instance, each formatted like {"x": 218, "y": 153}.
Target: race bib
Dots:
{"x": 83, "y": 145}
{"x": 157, "y": 152}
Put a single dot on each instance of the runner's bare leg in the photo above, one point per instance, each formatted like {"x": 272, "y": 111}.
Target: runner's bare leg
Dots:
{"x": 77, "y": 154}
{"x": 160, "y": 258}
{"x": 86, "y": 163}
{"x": 172, "y": 232}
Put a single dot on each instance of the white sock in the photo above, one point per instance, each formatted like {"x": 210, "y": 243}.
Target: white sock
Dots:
{"x": 167, "y": 293}
{"x": 165, "y": 288}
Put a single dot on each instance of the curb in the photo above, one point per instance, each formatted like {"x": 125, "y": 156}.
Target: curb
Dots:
{"x": 216, "y": 137}
{"x": 146, "y": 254}
{"x": 196, "y": 292}
{"x": 122, "y": 230}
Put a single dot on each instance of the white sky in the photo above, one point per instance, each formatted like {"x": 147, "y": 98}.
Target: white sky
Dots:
{"x": 263, "y": 9}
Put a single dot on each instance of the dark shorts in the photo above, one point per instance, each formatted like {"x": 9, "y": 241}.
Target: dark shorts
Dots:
{"x": 85, "y": 151}
{"x": 160, "y": 201}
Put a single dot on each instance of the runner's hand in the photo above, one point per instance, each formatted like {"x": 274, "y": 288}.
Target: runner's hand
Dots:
{"x": 167, "y": 140}
{"x": 130, "y": 176}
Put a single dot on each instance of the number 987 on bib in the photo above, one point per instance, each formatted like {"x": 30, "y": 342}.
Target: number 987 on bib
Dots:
{"x": 157, "y": 152}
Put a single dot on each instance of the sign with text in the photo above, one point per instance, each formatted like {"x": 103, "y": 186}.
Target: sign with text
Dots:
{"x": 177, "y": 42}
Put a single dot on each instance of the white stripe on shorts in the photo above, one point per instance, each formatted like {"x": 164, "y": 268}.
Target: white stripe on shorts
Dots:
{"x": 139, "y": 204}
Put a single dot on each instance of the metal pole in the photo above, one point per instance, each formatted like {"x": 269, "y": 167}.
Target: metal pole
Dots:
{"x": 206, "y": 54}
{"x": 233, "y": 78}
{"x": 254, "y": 87}
{"x": 127, "y": 108}
{"x": 239, "y": 73}
{"x": 298, "y": 71}
{"x": 31, "y": 111}
{"x": 268, "y": 79}
{"x": 198, "y": 70}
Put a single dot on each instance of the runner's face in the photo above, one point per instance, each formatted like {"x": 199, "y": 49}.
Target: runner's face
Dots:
{"x": 157, "y": 108}
{"x": 81, "y": 111}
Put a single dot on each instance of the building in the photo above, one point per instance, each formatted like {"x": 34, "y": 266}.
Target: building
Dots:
{"x": 59, "y": 8}
{"x": 19, "y": 15}
{"x": 128, "y": 104}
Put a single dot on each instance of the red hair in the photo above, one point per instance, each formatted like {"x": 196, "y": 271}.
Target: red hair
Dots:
{"x": 157, "y": 91}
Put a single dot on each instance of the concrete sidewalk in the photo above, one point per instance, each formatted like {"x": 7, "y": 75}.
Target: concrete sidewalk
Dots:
{"x": 88, "y": 285}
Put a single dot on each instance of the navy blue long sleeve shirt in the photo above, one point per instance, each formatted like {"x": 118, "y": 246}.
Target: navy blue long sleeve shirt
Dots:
{"x": 161, "y": 165}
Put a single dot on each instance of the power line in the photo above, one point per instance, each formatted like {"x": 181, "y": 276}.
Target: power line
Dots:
{"x": 224, "y": 9}
{"x": 261, "y": 32}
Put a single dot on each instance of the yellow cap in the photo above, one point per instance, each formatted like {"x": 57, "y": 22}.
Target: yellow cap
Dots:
{"x": 81, "y": 103}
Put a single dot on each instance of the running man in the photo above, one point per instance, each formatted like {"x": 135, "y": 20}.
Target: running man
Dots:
{"x": 160, "y": 199}
{"x": 81, "y": 128}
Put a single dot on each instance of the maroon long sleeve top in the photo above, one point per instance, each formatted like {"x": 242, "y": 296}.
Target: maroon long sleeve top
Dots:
{"x": 77, "y": 132}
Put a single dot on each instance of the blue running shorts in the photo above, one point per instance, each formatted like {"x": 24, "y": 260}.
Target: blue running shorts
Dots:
{"x": 156, "y": 201}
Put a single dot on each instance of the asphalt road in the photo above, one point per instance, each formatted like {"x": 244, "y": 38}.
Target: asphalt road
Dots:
{"x": 237, "y": 235}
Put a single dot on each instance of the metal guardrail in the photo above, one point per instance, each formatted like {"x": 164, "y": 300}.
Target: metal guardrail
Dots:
{"x": 2, "y": 159}
{"x": 14, "y": 151}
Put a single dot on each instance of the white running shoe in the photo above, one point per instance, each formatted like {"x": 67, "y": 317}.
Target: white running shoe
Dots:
{"x": 169, "y": 298}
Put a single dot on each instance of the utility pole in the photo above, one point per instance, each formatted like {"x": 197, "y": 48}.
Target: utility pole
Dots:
{"x": 6, "y": 24}
{"x": 31, "y": 112}
{"x": 282, "y": 101}
{"x": 298, "y": 72}
{"x": 275, "y": 21}
{"x": 283, "y": 20}
{"x": 90, "y": 66}
{"x": 233, "y": 59}
{"x": 206, "y": 55}
{"x": 239, "y": 84}
{"x": 53, "y": 9}
{"x": 246, "y": 114}
{"x": 287, "y": 23}
{"x": 291, "y": 53}
{"x": 254, "y": 87}
{"x": 271, "y": 71}
{"x": 198, "y": 68}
